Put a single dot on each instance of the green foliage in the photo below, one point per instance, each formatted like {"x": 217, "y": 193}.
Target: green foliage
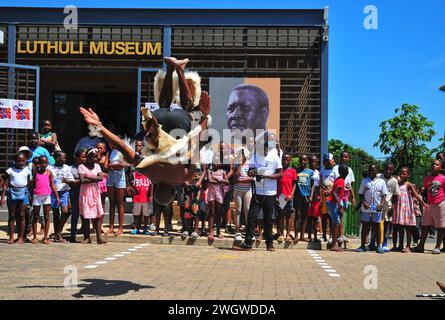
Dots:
{"x": 403, "y": 137}
{"x": 294, "y": 162}
{"x": 337, "y": 146}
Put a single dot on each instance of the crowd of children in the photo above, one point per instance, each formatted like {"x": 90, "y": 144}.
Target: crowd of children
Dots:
{"x": 309, "y": 198}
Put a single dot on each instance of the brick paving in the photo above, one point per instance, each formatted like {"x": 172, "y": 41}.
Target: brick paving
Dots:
{"x": 170, "y": 272}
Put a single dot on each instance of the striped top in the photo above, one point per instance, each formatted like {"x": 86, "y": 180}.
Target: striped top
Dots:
{"x": 243, "y": 187}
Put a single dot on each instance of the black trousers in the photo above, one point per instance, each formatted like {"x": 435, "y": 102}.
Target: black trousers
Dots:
{"x": 301, "y": 206}
{"x": 267, "y": 203}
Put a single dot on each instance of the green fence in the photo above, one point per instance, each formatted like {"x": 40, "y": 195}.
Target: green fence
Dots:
{"x": 352, "y": 219}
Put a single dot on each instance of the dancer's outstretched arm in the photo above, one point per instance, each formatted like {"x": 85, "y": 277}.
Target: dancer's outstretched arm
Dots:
{"x": 92, "y": 118}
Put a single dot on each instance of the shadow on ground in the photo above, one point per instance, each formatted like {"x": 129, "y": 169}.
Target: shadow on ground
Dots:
{"x": 101, "y": 288}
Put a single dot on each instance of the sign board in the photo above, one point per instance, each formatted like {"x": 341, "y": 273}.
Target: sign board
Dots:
{"x": 152, "y": 106}
{"x": 16, "y": 114}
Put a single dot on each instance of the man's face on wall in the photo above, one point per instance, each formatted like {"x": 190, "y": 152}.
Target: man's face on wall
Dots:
{"x": 244, "y": 111}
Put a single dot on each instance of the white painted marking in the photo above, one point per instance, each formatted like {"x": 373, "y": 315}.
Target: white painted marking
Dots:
{"x": 118, "y": 255}
{"x": 334, "y": 275}
{"x": 131, "y": 249}
{"x": 110, "y": 259}
{"x": 314, "y": 254}
{"x": 101, "y": 262}
{"x": 330, "y": 270}
{"x": 145, "y": 244}
{"x": 138, "y": 247}
{"x": 91, "y": 266}
{"x": 322, "y": 264}
{"x": 125, "y": 252}
{"x": 326, "y": 266}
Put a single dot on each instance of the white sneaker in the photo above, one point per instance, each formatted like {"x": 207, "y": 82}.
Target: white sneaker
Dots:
{"x": 194, "y": 236}
{"x": 152, "y": 227}
{"x": 238, "y": 237}
{"x": 185, "y": 234}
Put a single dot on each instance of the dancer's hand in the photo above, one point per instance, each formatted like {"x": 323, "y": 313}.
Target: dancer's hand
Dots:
{"x": 204, "y": 103}
{"x": 90, "y": 116}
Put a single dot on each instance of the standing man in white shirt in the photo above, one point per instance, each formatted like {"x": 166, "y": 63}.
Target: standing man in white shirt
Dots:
{"x": 268, "y": 170}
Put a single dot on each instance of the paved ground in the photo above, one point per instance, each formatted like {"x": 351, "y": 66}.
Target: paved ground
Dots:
{"x": 169, "y": 272}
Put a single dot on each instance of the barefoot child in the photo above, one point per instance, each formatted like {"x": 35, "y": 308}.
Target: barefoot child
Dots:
{"x": 63, "y": 176}
{"x": 90, "y": 206}
{"x": 404, "y": 216}
{"x": 15, "y": 185}
{"x": 336, "y": 206}
{"x": 373, "y": 192}
{"x": 42, "y": 188}
{"x": 80, "y": 157}
{"x": 434, "y": 214}
{"x": 215, "y": 196}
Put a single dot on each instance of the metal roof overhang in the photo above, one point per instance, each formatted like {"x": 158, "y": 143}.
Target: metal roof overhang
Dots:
{"x": 183, "y": 17}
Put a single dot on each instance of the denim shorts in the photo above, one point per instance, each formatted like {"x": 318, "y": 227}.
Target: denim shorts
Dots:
{"x": 334, "y": 212}
{"x": 64, "y": 199}
{"x": 375, "y": 217}
{"x": 116, "y": 179}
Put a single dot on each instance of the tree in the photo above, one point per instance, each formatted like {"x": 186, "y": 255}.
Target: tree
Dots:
{"x": 337, "y": 146}
{"x": 442, "y": 88}
{"x": 403, "y": 137}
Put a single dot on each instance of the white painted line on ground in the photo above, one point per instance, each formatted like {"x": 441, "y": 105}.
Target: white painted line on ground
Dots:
{"x": 330, "y": 270}
{"x": 110, "y": 259}
{"x": 125, "y": 252}
{"x": 334, "y": 275}
{"x": 145, "y": 244}
{"x": 101, "y": 262}
{"x": 91, "y": 266}
{"x": 138, "y": 247}
{"x": 325, "y": 266}
{"x": 131, "y": 249}
{"x": 118, "y": 255}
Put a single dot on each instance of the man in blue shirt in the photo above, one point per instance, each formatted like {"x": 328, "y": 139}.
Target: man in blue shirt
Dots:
{"x": 38, "y": 151}
{"x": 302, "y": 195}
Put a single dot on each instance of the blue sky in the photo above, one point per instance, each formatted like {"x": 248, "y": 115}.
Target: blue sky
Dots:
{"x": 371, "y": 72}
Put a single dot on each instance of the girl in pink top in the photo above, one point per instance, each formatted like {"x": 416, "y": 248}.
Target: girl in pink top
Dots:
{"x": 90, "y": 205}
{"x": 434, "y": 214}
{"x": 42, "y": 187}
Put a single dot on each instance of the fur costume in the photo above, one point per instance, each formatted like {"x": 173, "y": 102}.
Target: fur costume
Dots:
{"x": 194, "y": 82}
{"x": 169, "y": 147}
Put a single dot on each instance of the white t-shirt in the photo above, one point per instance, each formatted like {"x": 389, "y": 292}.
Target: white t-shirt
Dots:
{"x": 59, "y": 173}
{"x": 327, "y": 178}
{"x": 266, "y": 166}
{"x": 316, "y": 178}
{"x": 18, "y": 177}
{"x": 393, "y": 190}
{"x": 373, "y": 191}
{"x": 349, "y": 178}
{"x": 115, "y": 157}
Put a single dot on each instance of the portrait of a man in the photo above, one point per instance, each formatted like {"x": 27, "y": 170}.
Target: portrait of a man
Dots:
{"x": 247, "y": 108}
{"x": 245, "y": 103}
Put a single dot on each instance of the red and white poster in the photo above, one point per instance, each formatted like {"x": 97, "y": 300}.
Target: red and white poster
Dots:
{"x": 16, "y": 114}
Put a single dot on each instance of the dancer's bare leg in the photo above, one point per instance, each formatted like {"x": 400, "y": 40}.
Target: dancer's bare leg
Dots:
{"x": 184, "y": 90}
{"x": 166, "y": 96}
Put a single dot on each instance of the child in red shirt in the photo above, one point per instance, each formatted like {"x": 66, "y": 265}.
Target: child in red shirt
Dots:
{"x": 142, "y": 189}
{"x": 335, "y": 204}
